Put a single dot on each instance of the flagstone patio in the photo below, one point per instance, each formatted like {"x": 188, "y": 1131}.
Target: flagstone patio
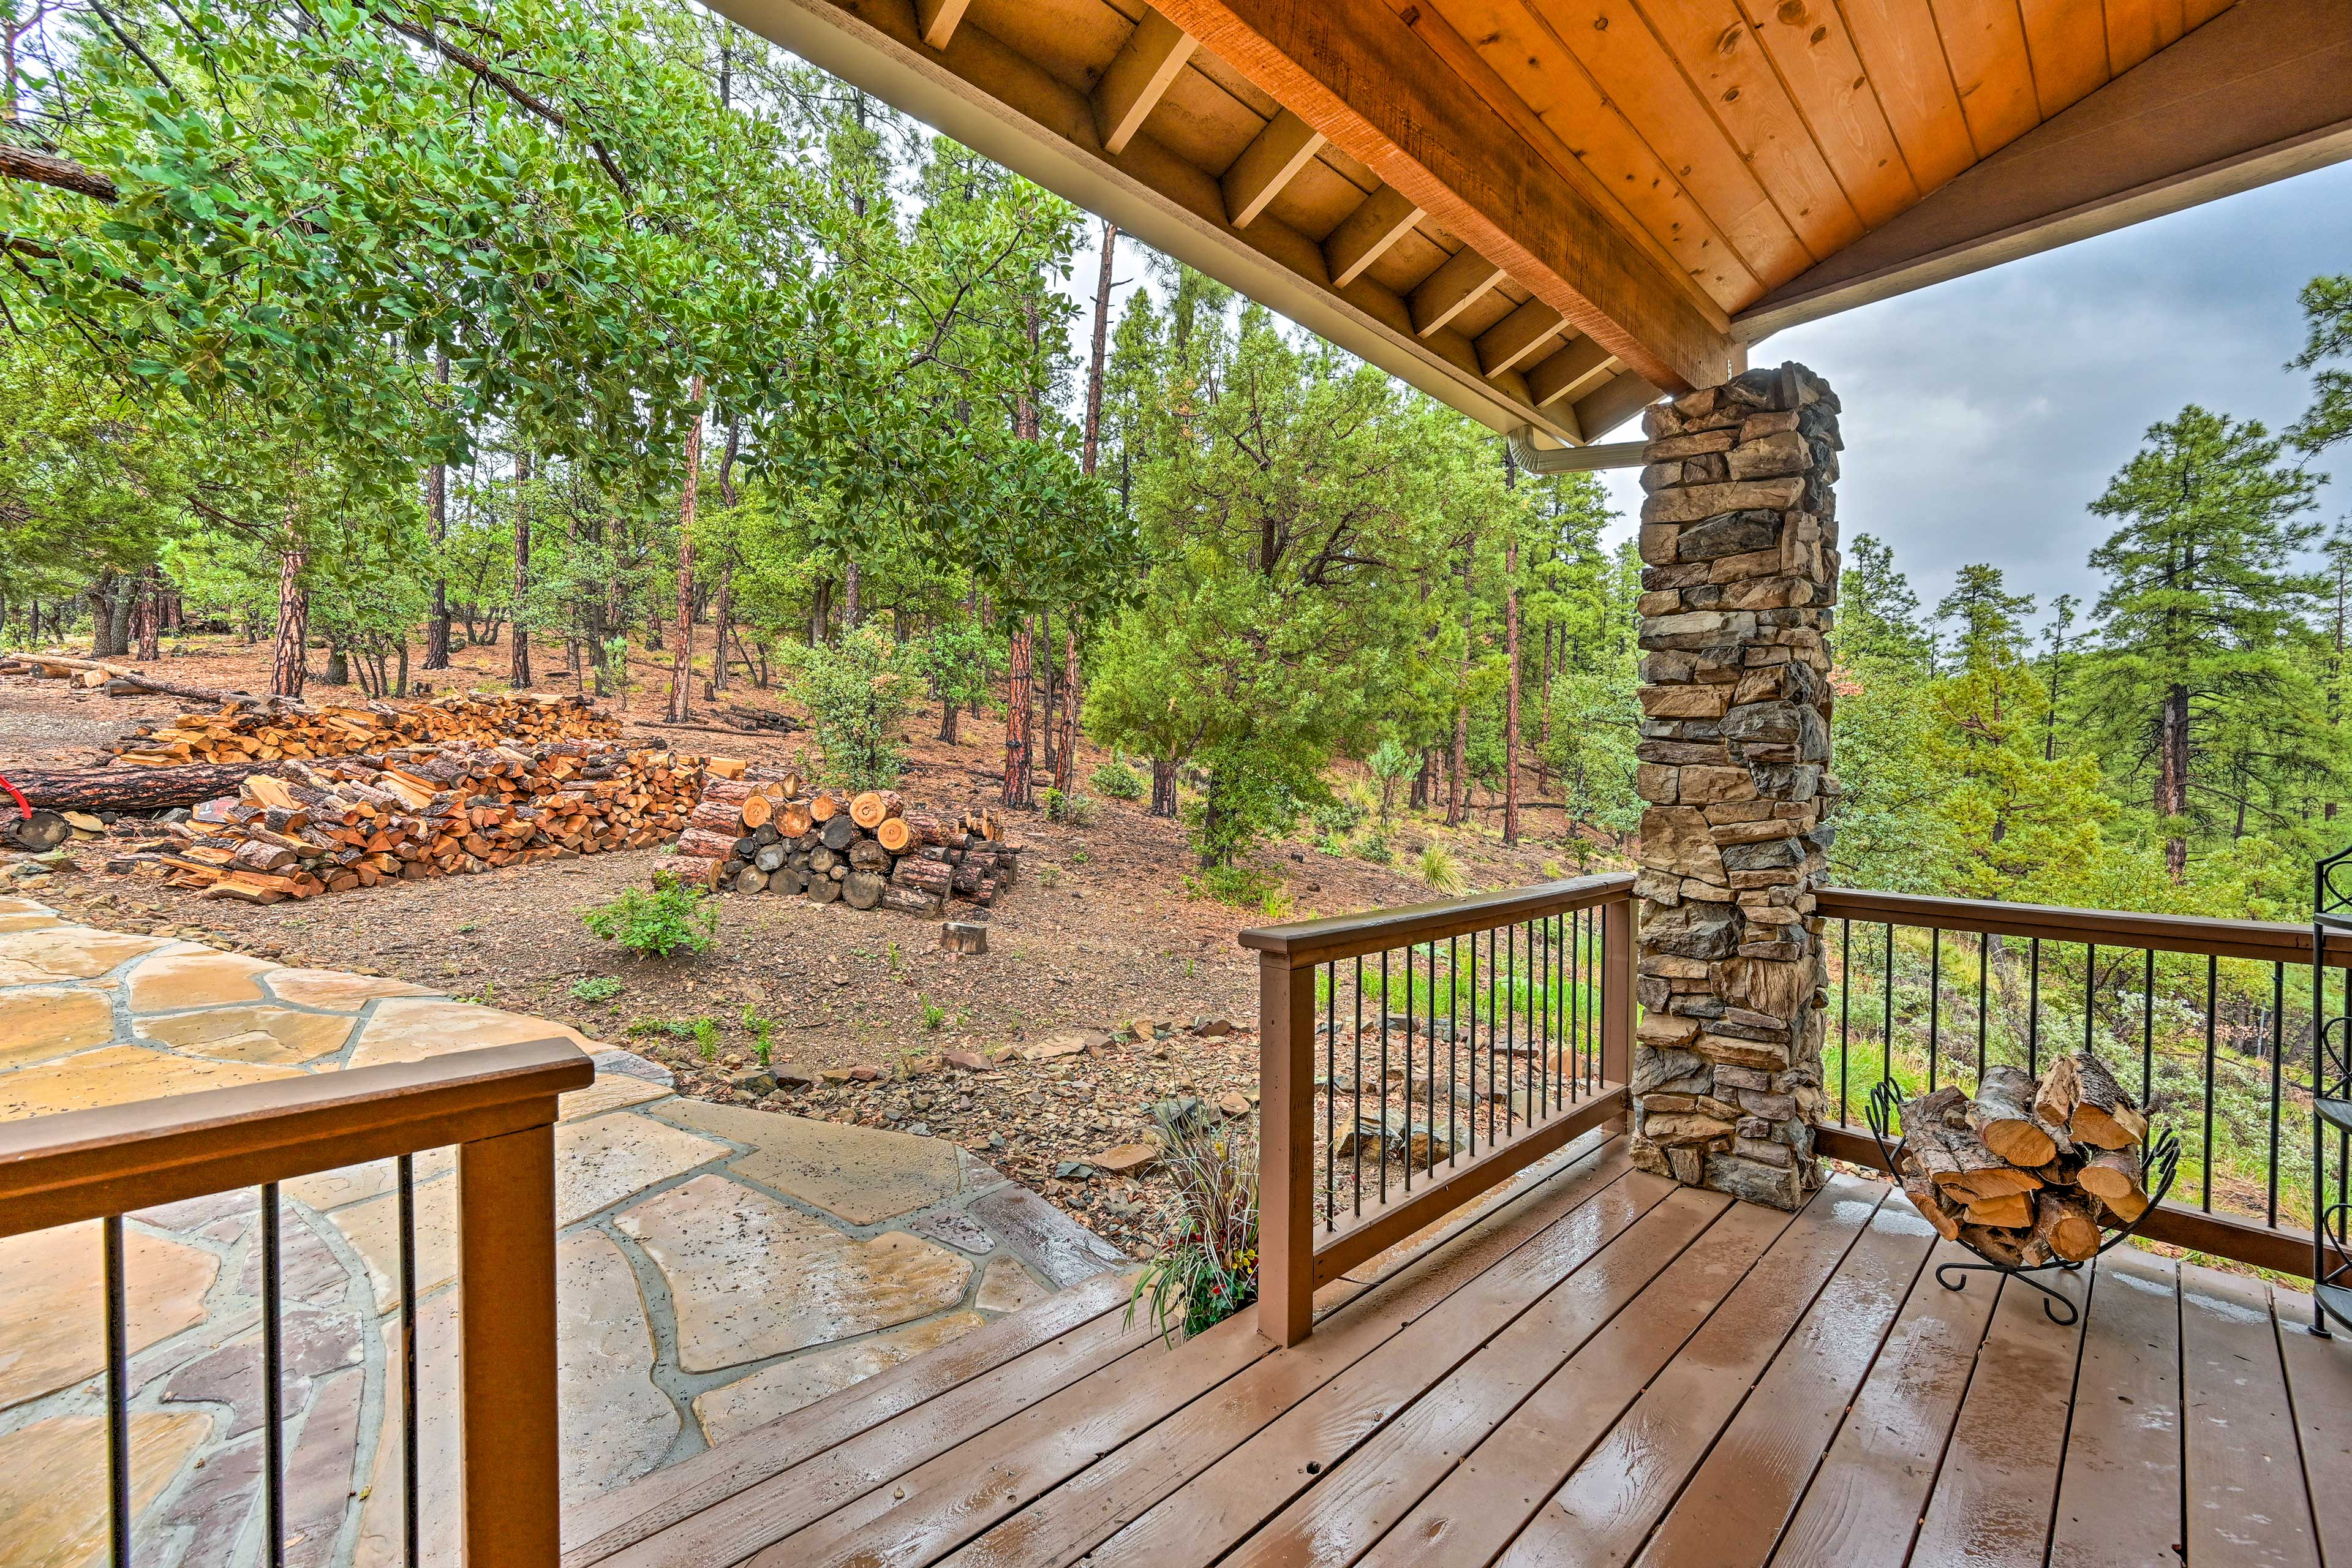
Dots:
{"x": 718, "y": 1267}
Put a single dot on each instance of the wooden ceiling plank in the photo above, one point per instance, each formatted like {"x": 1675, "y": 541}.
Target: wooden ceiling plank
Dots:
{"x": 2259, "y": 93}
{"x": 1811, "y": 48}
{"x": 1138, "y": 78}
{"x": 1355, "y": 71}
{"x": 1379, "y": 221}
{"x": 1446, "y": 292}
{"x": 936, "y": 19}
{"x": 1267, "y": 164}
{"x": 1719, "y": 52}
{"x": 2195, "y": 14}
{"x": 1899, "y": 48}
{"x": 1576, "y": 368}
{"x": 1984, "y": 41}
{"x": 1517, "y": 335}
{"x": 1613, "y": 403}
{"x": 1521, "y": 70}
{"x": 1638, "y": 74}
{"x": 2067, "y": 42}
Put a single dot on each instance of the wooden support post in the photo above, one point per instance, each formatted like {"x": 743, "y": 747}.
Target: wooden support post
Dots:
{"x": 1285, "y": 1225}
{"x": 508, "y": 1425}
{"x": 1617, "y": 1004}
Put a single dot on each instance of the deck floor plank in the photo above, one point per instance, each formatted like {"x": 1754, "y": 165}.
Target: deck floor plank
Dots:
{"x": 1598, "y": 1257}
{"x": 1751, "y": 1271}
{"x": 2319, "y": 1377}
{"x": 2119, "y": 1492}
{"x": 1993, "y": 1498}
{"x": 1864, "y": 1505}
{"x": 1604, "y": 1510}
{"x": 1357, "y": 1499}
{"x": 2247, "y": 1502}
{"x": 1479, "y": 1273}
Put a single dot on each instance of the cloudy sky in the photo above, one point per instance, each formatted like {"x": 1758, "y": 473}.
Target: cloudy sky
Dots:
{"x": 1984, "y": 414}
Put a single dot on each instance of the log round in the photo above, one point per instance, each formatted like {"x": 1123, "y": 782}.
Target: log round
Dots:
{"x": 861, "y": 889}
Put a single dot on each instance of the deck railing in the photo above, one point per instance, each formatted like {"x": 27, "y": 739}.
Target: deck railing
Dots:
{"x": 2209, "y": 1020}
{"x": 498, "y": 1105}
{"x": 1503, "y": 1022}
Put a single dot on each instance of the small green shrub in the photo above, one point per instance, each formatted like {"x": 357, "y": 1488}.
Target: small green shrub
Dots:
{"x": 762, "y": 1029}
{"x": 1117, "y": 780}
{"x": 1441, "y": 870}
{"x": 1240, "y": 886}
{"x": 1375, "y": 848}
{"x": 1332, "y": 844}
{"x": 705, "y": 1037}
{"x": 657, "y": 921}
{"x": 1076, "y": 809}
{"x": 1209, "y": 1271}
{"x": 856, "y": 694}
{"x": 933, "y": 1014}
{"x": 595, "y": 988}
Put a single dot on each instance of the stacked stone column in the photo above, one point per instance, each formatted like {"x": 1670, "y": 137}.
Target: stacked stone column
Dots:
{"x": 1739, "y": 545}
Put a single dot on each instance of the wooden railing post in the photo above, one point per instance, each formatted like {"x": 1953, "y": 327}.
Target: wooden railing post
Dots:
{"x": 1617, "y": 1007}
{"x": 507, "y": 1453}
{"x": 1285, "y": 1196}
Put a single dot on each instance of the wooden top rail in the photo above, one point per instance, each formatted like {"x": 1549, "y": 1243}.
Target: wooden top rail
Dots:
{"x": 2264, "y": 940}
{"x": 85, "y": 1164}
{"x": 1347, "y": 936}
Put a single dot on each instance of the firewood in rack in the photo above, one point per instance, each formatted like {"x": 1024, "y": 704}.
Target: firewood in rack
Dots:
{"x": 2065, "y": 1224}
{"x": 2114, "y": 1178}
{"x": 2106, "y": 1117}
{"x": 1930, "y": 1204}
{"x": 2002, "y": 1118}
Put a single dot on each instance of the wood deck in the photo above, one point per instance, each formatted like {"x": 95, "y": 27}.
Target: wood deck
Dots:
{"x": 1598, "y": 1368}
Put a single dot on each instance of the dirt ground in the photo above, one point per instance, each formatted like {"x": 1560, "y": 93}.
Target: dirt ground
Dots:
{"x": 1101, "y": 932}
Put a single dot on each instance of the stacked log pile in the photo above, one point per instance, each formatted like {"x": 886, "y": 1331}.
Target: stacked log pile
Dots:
{"x": 420, "y": 812}
{"x": 236, "y": 734}
{"x": 2027, "y": 1172}
{"x": 760, "y": 834}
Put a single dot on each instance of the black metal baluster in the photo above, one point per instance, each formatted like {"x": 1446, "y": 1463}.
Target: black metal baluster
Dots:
{"x": 1510, "y": 1025}
{"x": 2090, "y": 991}
{"x": 1846, "y": 1009}
{"x": 1491, "y": 1032}
{"x": 1541, "y": 930}
{"x": 1886, "y": 1029}
{"x": 1934, "y": 997}
{"x": 2278, "y": 1050}
{"x": 2033, "y": 1012}
{"x": 1330, "y": 1123}
{"x": 1408, "y": 1065}
{"x": 1454, "y": 1051}
{"x": 1984, "y": 1016}
{"x": 2148, "y": 1032}
{"x": 118, "y": 1394}
{"x": 273, "y": 1428}
{"x": 2212, "y": 985}
{"x": 1356, "y": 1136}
{"x": 409, "y": 1534}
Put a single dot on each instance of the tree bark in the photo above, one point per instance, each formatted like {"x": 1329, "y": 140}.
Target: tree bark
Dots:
{"x": 851, "y": 581}
{"x": 1017, "y": 792}
{"x": 1066, "y": 756}
{"x": 723, "y": 609}
{"x": 1087, "y": 450}
{"x": 437, "y": 512}
{"x": 2172, "y": 777}
{"x": 286, "y": 666}
{"x": 681, "y": 669}
{"x": 519, "y": 644}
{"x": 147, "y": 612}
{"x": 1456, "y": 773}
{"x": 1163, "y": 786}
{"x": 1511, "y": 659}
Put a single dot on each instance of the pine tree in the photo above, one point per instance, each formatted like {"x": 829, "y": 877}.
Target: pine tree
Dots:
{"x": 2196, "y": 690}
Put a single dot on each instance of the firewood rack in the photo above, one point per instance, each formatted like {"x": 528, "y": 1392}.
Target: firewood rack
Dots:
{"x": 2160, "y": 1161}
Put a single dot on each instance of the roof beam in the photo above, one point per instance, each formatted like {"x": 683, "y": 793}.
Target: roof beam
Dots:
{"x": 1270, "y": 163}
{"x": 1137, "y": 77}
{"x": 2262, "y": 91}
{"x": 936, "y": 19}
{"x": 1355, "y": 71}
{"x": 1570, "y": 372}
{"x": 1365, "y": 234}
{"x": 1516, "y": 336}
{"x": 1452, "y": 288}
{"x": 1611, "y": 404}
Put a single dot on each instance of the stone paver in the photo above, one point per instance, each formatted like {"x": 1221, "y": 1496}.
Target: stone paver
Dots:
{"x": 750, "y": 1278}
{"x": 718, "y": 1267}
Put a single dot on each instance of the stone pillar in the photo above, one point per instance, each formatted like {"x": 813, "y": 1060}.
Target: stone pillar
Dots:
{"x": 1739, "y": 542}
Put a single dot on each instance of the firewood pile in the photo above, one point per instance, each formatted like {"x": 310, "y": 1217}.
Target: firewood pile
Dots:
{"x": 2028, "y": 1173}
{"x": 413, "y": 813}
{"x": 245, "y": 735}
{"x": 760, "y": 834}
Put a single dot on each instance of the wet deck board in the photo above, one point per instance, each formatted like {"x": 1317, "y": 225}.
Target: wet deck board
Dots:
{"x": 1599, "y": 1368}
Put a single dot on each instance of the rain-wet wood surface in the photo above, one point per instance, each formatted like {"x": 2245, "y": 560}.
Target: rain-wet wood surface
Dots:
{"x": 1595, "y": 1368}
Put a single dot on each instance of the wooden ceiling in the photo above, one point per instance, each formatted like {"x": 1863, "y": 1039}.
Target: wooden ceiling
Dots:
{"x": 1543, "y": 212}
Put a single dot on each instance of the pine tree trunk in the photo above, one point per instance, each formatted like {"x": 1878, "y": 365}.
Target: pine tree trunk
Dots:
{"x": 1016, "y": 718}
{"x": 519, "y": 645}
{"x": 724, "y": 612}
{"x": 1049, "y": 684}
{"x": 2172, "y": 777}
{"x": 118, "y": 614}
{"x": 101, "y": 615}
{"x": 852, "y": 580}
{"x": 1066, "y": 777}
{"x": 1511, "y": 660}
{"x": 286, "y": 669}
{"x": 147, "y": 612}
{"x": 1088, "y": 449}
{"x": 1460, "y": 762}
{"x": 1163, "y": 786}
{"x": 1543, "y": 720}
{"x": 681, "y": 669}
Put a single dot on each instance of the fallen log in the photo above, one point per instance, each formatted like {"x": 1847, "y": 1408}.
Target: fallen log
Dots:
{"x": 136, "y": 789}
{"x": 54, "y": 667}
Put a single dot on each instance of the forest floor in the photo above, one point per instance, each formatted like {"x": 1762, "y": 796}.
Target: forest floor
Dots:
{"x": 1101, "y": 932}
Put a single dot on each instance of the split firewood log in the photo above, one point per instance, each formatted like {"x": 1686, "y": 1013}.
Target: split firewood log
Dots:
{"x": 2106, "y": 1117}
{"x": 2114, "y": 1178}
{"x": 1930, "y": 1205}
{"x": 2066, "y": 1225}
{"x": 2060, "y": 1091}
{"x": 794, "y": 818}
{"x": 2008, "y": 1213}
{"x": 2002, "y": 1118}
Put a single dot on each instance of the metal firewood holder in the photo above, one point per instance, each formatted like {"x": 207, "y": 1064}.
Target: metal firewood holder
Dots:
{"x": 2159, "y": 1161}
